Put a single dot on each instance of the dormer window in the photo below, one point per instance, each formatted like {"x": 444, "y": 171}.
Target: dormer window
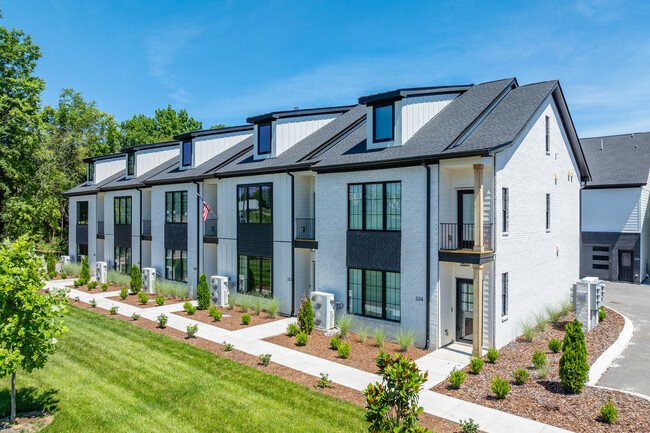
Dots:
{"x": 186, "y": 153}
{"x": 130, "y": 164}
{"x": 383, "y": 120}
{"x": 263, "y": 138}
{"x": 90, "y": 172}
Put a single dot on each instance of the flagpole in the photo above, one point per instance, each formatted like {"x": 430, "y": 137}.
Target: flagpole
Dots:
{"x": 215, "y": 215}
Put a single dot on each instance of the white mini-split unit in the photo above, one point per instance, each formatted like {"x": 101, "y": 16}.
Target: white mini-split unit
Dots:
{"x": 100, "y": 272}
{"x": 219, "y": 290}
{"x": 588, "y": 297}
{"x": 149, "y": 280}
{"x": 64, "y": 261}
{"x": 324, "y": 312}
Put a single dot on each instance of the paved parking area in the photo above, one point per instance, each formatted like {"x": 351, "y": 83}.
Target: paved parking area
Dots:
{"x": 630, "y": 372}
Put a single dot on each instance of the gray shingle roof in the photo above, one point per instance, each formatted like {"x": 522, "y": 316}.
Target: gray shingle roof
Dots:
{"x": 136, "y": 182}
{"x": 624, "y": 159}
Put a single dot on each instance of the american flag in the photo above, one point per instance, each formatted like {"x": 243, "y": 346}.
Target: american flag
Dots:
{"x": 206, "y": 211}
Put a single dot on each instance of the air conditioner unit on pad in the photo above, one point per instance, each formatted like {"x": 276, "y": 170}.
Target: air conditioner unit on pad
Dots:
{"x": 149, "y": 280}
{"x": 323, "y": 305}
{"x": 219, "y": 290}
{"x": 101, "y": 272}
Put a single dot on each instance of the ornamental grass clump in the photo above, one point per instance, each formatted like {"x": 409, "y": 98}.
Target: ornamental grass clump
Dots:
{"x": 456, "y": 378}
{"x": 136, "y": 280}
{"x": 543, "y": 371}
{"x": 539, "y": 359}
{"x": 492, "y": 355}
{"x": 574, "y": 368}
{"x": 272, "y": 307}
{"x": 257, "y": 307}
{"x": 521, "y": 375}
{"x": 609, "y": 412}
{"x": 379, "y": 336}
{"x": 344, "y": 323}
{"x": 244, "y": 303}
{"x": 500, "y": 387}
{"x": 529, "y": 331}
{"x": 362, "y": 333}
{"x": 306, "y": 316}
{"x": 344, "y": 350}
{"x": 203, "y": 293}
{"x": 405, "y": 338}
{"x": 554, "y": 314}
{"x": 476, "y": 364}
{"x": 554, "y": 345}
{"x": 232, "y": 301}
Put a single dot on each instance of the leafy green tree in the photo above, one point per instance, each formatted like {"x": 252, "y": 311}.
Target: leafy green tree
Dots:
{"x": 306, "y": 316}
{"x": 30, "y": 322}
{"x": 166, "y": 123}
{"x": 50, "y": 263}
{"x": 218, "y": 126}
{"x": 203, "y": 293}
{"x": 574, "y": 368}
{"x": 84, "y": 276}
{"x": 136, "y": 279}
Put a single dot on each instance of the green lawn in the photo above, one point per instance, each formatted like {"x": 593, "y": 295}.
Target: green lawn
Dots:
{"x": 110, "y": 376}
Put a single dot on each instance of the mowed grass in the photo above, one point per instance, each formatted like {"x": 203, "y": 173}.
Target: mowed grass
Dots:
{"x": 109, "y": 375}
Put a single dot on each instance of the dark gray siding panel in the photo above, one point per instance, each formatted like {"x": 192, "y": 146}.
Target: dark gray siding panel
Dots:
{"x": 176, "y": 236}
{"x": 82, "y": 234}
{"x": 616, "y": 241}
{"x": 374, "y": 250}
{"x": 123, "y": 235}
{"x": 255, "y": 239}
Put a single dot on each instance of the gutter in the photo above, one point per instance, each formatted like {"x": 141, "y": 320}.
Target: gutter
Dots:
{"x": 140, "y": 237}
{"x": 198, "y": 231}
{"x": 293, "y": 250}
{"x": 428, "y": 259}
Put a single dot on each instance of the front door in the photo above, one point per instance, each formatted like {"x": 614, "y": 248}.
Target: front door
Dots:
{"x": 466, "y": 219}
{"x": 464, "y": 309}
{"x": 625, "y": 265}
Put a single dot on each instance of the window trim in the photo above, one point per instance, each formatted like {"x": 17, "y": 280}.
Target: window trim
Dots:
{"x": 383, "y": 294}
{"x": 384, "y": 205}
{"x": 183, "y": 143}
{"x": 505, "y": 210}
{"x": 126, "y": 218}
{"x": 505, "y": 295}
{"x": 130, "y": 156}
{"x": 246, "y": 186}
{"x": 374, "y": 122}
{"x": 548, "y": 135}
{"x": 257, "y": 145}
{"x": 183, "y": 193}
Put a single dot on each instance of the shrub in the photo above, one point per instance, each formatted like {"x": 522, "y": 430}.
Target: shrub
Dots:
{"x": 77, "y": 299}
{"x": 293, "y": 330}
{"x": 492, "y": 355}
{"x": 93, "y": 303}
{"x": 189, "y": 308}
{"x": 468, "y": 426}
{"x": 64, "y": 276}
{"x": 302, "y": 338}
{"x": 257, "y": 306}
{"x": 51, "y": 275}
{"x": 540, "y": 322}
{"x": 554, "y": 345}
{"x": 543, "y": 371}
{"x": 609, "y": 412}
{"x": 160, "y": 300}
{"x": 232, "y": 301}
{"x": 272, "y": 307}
{"x": 244, "y": 303}
{"x": 405, "y": 338}
{"x": 539, "y": 358}
{"x": 456, "y": 378}
{"x": 566, "y": 307}
{"x": 265, "y": 359}
{"x": 135, "y": 316}
{"x": 76, "y": 283}
{"x": 136, "y": 279}
{"x": 162, "y": 320}
{"x": 529, "y": 331}
{"x": 554, "y": 314}
{"x": 192, "y": 330}
{"x": 362, "y": 333}
{"x": 124, "y": 293}
{"x": 216, "y": 314}
{"x": 245, "y": 319}
{"x": 143, "y": 298}
{"x": 476, "y": 364}
{"x": 92, "y": 285}
{"x": 500, "y": 387}
{"x": 323, "y": 382}
{"x": 574, "y": 369}
{"x": 602, "y": 314}
{"x": 521, "y": 375}
{"x": 335, "y": 342}
{"x": 114, "y": 309}
{"x": 84, "y": 276}
{"x": 382, "y": 360}
{"x": 227, "y": 347}
{"x": 380, "y": 336}
{"x": 306, "y": 317}
{"x": 203, "y": 293}
{"x": 50, "y": 263}
{"x": 344, "y": 323}
{"x": 344, "y": 350}
{"x": 104, "y": 287}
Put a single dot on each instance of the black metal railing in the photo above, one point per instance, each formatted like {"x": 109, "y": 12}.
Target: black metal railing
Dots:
{"x": 146, "y": 227}
{"x": 100, "y": 227}
{"x": 210, "y": 227}
{"x": 461, "y": 237}
{"x": 305, "y": 228}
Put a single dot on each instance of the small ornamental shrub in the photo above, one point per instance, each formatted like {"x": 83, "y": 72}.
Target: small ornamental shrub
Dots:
{"x": 456, "y": 378}
{"x": 114, "y": 309}
{"x": 335, "y": 342}
{"x": 160, "y": 300}
{"x": 92, "y": 285}
{"x": 257, "y": 306}
{"x": 609, "y": 412}
{"x": 85, "y": 271}
{"x": 244, "y": 303}
{"x": 162, "y": 320}
{"x": 306, "y": 317}
{"x": 265, "y": 359}
{"x": 382, "y": 360}
{"x": 323, "y": 382}
{"x": 51, "y": 275}
{"x": 539, "y": 359}
{"x": 293, "y": 330}
{"x": 227, "y": 347}
{"x": 500, "y": 387}
{"x": 191, "y": 330}
{"x": 554, "y": 345}
{"x": 216, "y": 314}
{"x": 302, "y": 338}
{"x": 143, "y": 298}
{"x": 476, "y": 364}
{"x": 602, "y": 314}
{"x": 405, "y": 339}
{"x": 50, "y": 263}
{"x": 189, "y": 308}
{"x": 245, "y": 319}
{"x": 362, "y": 333}
{"x": 344, "y": 350}
{"x": 124, "y": 293}
{"x": 77, "y": 299}
{"x": 135, "y": 316}
{"x": 468, "y": 426}
{"x": 273, "y": 307}
{"x": 492, "y": 355}
{"x": 521, "y": 375}
{"x": 104, "y": 287}
{"x": 203, "y": 293}
{"x": 232, "y": 301}
{"x": 380, "y": 336}
{"x": 543, "y": 371}
{"x": 344, "y": 323}
{"x": 93, "y": 303}
{"x": 136, "y": 279}
{"x": 76, "y": 283}
{"x": 64, "y": 276}
{"x": 574, "y": 369}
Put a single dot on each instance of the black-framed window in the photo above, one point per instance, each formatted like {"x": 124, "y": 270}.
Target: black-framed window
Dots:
{"x": 130, "y": 164}
{"x": 548, "y": 211}
{"x": 547, "y": 125}
{"x": 122, "y": 259}
{"x": 383, "y": 122}
{"x": 264, "y": 138}
{"x": 176, "y": 207}
{"x": 505, "y": 211}
{"x": 186, "y": 152}
{"x": 375, "y": 206}
{"x": 122, "y": 209}
{"x": 255, "y": 275}
{"x": 176, "y": 265}
{"x": 504, "y": 294}
{"x": 82, "y": 213}
{"x": 82, "y": 250}
{"x": 374, "y": 294}
{"x": 255, "y": 204}
{"x": 90, "y": 171}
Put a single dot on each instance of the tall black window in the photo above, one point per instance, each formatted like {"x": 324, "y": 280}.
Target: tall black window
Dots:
{"x": 548, "y": 211}
{"x": 90, "y": 171}
{"x": 548, "y": 134}
{"x": 255, "y": 203}
{"x": 130, "y": 164}
{"x": 176, "y": 265}
{"x": 263, "y": 138}
{"x": 505, "y": 211}
{"x": 255, "y": 275}
{"x": 122, "y": 208}
{"x": 82, "y": 212}
{"x": 187, "y": 153}
{"x": 82, "y": 250}
{"x": 375, "y": 206}
{"x": 122, "y": 259}
{"x": 374, "y": 294}
{"x": 176, "y": 207}
{"x": 504, "y": 294}
{"x": 383, "y": 122}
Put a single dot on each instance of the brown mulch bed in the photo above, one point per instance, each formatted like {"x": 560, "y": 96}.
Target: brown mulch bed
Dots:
{"x": 133, "y": 300}
{"x": 232, "y": 323}
{"x": 362, "y": 355}
{"x": 26, "y": 422}
{"x": 545, "y": 400}
{"x": 436, "y": 424}
{"x": 98, "y": 289}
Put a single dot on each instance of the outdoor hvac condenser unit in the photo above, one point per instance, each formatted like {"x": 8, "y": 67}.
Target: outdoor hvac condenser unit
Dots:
{"x": 149, "y": 280}
{"x": 100, "y": 272}
{"x": 323, "y": 305}
{"x": 64, "y": 261}
{"x": 219, "y": 290}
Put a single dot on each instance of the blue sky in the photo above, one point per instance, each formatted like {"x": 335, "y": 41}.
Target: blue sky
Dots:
{"x": 225, "y": 61}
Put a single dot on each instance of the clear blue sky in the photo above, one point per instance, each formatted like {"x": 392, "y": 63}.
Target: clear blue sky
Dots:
{"x": 225, "y": 61}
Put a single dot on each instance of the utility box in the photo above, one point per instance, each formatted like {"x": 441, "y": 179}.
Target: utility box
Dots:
{"x": 149, "y": 280}
{"x": 324, "y": 312}
{"x": 219, "y": 290}
{"x": 588, "y": 297}
{"x": 100, "y": 272}
{"x": 64, "y": 261}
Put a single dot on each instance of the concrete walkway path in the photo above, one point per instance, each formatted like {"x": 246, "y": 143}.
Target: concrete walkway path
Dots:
{"x": 442, "y": 406}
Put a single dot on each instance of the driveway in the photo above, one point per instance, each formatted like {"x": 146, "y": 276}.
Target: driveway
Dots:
{"x": 630, "y": 371}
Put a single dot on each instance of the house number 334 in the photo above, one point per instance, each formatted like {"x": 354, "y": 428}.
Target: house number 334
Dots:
{"x": 419, "y": 299}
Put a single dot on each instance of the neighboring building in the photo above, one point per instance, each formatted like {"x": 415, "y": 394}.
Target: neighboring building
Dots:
{"x": 615, "y": 214}
{"x": 410, "y": 207}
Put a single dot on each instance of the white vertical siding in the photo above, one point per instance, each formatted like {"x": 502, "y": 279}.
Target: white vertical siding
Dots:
{"x": 92, "y": 228}
{"x": 209, "y": 146}
{"x": 108, "y": 167}
{"x": 418, "y": 110}
{"x": 109, "y": 226}
{"x": 645, "y": 232}
{"x": 146, "y": 160}
{"x": 612, "y": 210}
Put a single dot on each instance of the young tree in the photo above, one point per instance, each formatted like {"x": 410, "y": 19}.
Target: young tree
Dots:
{"x": 30, "y": 322}
{"x": 136, "y": 279}
{"x": 203, "y": 293}
{"x": 50, "y": 263}
{"x": 306, "y": 316}
{"x": 84, "y": 275}
{"x": 574, "y": 368}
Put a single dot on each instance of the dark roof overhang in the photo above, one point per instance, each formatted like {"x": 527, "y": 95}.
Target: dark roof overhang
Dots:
{"x": 226, "y": 130}
{"x": 102, "y": 157}
{"x": 268, "y": 117}
{"x": 150, "y": 146}
{"x": 405, "y": 93}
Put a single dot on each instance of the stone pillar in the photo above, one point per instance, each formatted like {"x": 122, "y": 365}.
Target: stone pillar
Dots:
{"x": 478, "y": 311}
{"x": 478, "y": 207}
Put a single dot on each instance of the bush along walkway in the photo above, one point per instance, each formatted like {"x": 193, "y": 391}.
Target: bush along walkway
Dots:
{"x": 436, "y": 404}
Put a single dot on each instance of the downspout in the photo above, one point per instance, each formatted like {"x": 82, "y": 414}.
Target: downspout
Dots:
{"x": 428, "y": 258}
{"x": 198, "y": 231}
{"x": 139, "y": 237}
{"x": 293, "y": 250}
{"x": 493, "y": 336}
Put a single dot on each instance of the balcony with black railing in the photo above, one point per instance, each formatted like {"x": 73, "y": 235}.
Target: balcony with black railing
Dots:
{"x": 210, "y": 231}
{"x": 461, "y": 237}
{"x": 305, "y": 229}
{"x": 146, "y": 230}
{"x": 100, "y": 229}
